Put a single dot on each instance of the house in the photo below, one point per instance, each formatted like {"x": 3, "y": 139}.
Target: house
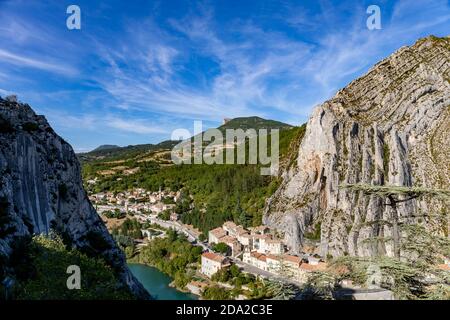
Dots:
{"x": 256, "y": 259}
{"x": 215, "y": 235}
{"x": 256, "y": 240}
{"x": 260, "y": 242}
{"x": 289, "y": 265}
{"x": 273, "y": 263}
{"x": 260, "y": 230}
{"x": 233, "y": 243}
{"x": 212, "y": 262}
{"x": 230, "y": 228}
{"x": 273, "y": 246}
{"x": 306, "y": 268}
{"x": 245, "y": 239}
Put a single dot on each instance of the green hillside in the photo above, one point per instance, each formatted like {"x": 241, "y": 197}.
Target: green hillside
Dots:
{"x": 118, "y": 153}
{"x": 254, "y": 123}
{"x": 220, "y": 192}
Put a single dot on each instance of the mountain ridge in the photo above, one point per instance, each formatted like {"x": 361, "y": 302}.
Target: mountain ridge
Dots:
{"x": 42, "y": 192}
{"x": 388, "y": 127}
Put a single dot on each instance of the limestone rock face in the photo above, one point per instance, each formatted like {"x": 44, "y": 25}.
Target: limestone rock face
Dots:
{"x": 389, "y": 127}
{"x": 41, "y": 189}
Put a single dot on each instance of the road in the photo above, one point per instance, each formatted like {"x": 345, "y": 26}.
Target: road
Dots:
{"x": 178, "y": 227}
{"x": 263, "y": 273}
{"x": 193, "y": 239}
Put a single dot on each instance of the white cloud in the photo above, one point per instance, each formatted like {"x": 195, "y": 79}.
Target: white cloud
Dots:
{"x": 9, "y": 57}
{"x": 134, "y": 126}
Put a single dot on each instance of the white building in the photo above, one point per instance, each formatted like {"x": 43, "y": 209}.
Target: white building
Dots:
{"x": 230, "y": 228}
{"x": 211, "y": 263}
{"x": 256, "y": 259}
{"x": 273, "y": 246}
{"x": 233, "y": 243}
{"x": 215, "y": 235}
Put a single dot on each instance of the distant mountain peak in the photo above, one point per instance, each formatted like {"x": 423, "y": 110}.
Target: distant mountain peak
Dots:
{"x": 106, "y": 147}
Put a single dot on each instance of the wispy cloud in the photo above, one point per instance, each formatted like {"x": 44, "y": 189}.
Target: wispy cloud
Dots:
{"x": 23, "y": 61}
{"x": 277, "y": 60}
{"x": 139, "y": 126}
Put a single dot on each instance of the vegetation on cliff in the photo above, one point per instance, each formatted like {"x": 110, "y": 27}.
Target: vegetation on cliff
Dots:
{"x": 41, "y": 267}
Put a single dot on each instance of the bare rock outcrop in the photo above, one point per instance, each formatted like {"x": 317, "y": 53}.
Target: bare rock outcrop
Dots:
{"x": 41, "y": 190}
{"x": 389, "y": 127}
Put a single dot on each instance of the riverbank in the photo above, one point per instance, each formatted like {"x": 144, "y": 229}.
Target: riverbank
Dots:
{"x": 158, "y": 283}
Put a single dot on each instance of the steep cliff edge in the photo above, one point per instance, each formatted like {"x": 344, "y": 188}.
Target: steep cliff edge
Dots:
{"x": 41, "y": 190}
{"x": 389, "y": 127}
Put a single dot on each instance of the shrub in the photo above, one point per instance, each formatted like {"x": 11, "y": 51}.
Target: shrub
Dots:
{"x": 221, "y": 248}
{"x": 5, "y": 126}
{"x": 216, "y": 293}
{"x": 30, "y": 126}
{"x": 51, "y": 258}
{"x": 97, "y": 241}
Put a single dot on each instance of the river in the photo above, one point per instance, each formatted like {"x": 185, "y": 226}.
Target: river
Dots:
{"x": 157, "y": 283}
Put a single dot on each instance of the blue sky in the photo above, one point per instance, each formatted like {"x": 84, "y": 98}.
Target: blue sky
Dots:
{"x": 139, "y": 69}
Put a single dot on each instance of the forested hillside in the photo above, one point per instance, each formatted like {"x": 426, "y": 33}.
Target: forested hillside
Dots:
{"x": 220, "y": 192}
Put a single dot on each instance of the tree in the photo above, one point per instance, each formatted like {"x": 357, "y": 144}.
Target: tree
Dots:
{"x": 216, "y": 293}
{"x": 235, "y": 271}
{"x": 202, "y": 237}
{"x": 221, "y": 248}
{"x": 281, "y": 291}
{"x": 396, "y": 195}
{"x": 223, "y": 275}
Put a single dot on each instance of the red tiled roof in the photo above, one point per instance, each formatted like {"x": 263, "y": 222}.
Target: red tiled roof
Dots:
{"x": 262, "y": 258}
{"x": 218, "y": 232}
{"x": 213, "y": 256}
{"x": 290, "y": 258}
{"x": 228, "y": 239}
{"x": 310, "y": 267}
{"x": 273, "y": 257}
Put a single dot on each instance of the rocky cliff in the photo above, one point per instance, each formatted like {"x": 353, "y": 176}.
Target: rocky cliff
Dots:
{"x": 41, "y": 190}
{"x": 389, "y": 127}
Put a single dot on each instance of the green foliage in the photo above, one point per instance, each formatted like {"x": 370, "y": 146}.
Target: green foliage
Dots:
{"x": 112, "y": 154}
{"x": 30, "y": 126}
{"x": 130, "y": 228}
{"x": 114, "y": 214}
{"x": 256, "y": 123}
{"x": 280, "y": 291}
{"x": 422, "y": 247}
{"x": 97, "y": 240}
{"x": 392, "y": 190}
{"x": 408, "y": 280}
{"x": 126, "y": 243}
{"x": 202, "y": 237}
{"x": 173, "y": 255}
{"x": 168, "y": 200}
{"x": 221, "y": 248}
{"x": 164, "y": 215}
{"x": 50, "y": 259}
{"x": 315, "y": 234}
{"x": 216, "y": 293}
{"x": 235, "y": 271}
{"x": 223, "y": 275}
{"x": 220, "y": 192}
{"x": 5, "y": 126}
{"x": 320, "y": 286}
{"x": 415, "y": 276}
